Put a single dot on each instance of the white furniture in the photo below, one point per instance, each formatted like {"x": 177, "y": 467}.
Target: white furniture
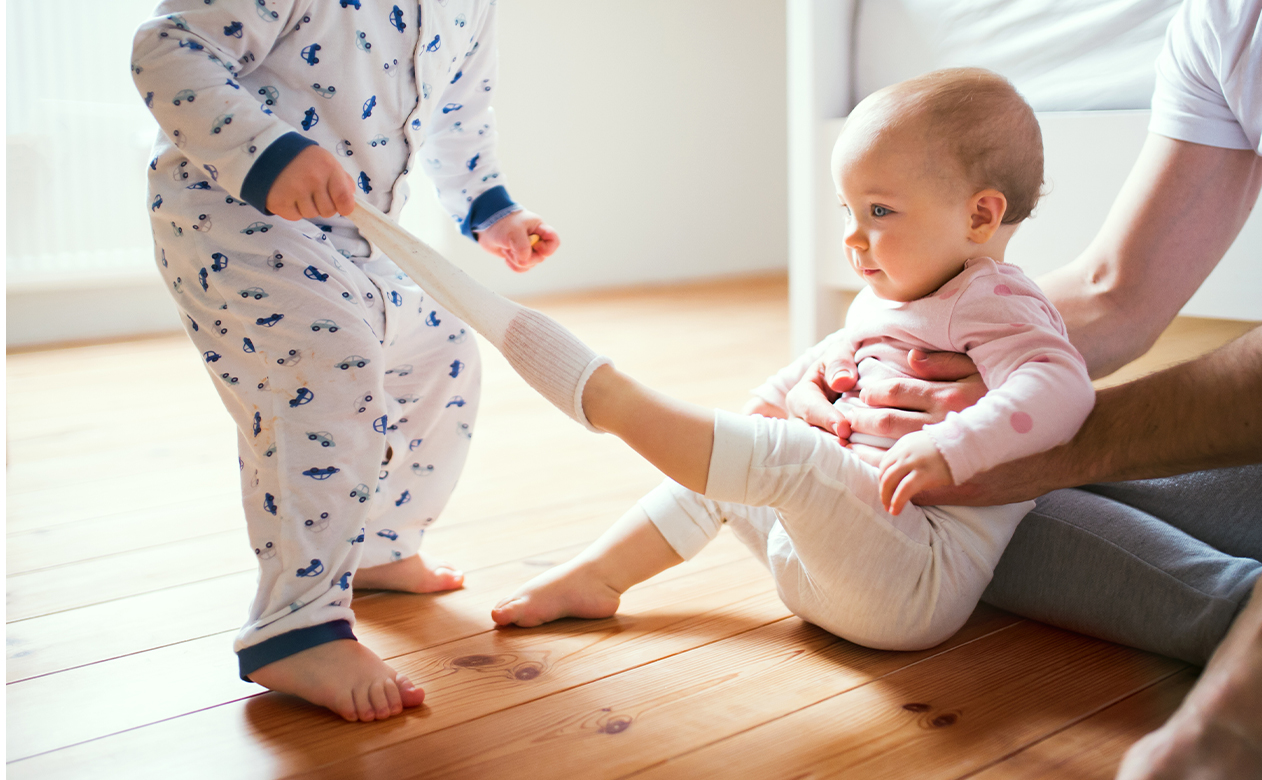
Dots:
{"x": 1064, "y": 56}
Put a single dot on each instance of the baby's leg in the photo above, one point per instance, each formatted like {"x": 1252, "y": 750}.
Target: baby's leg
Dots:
{"x": 276, "y": 316}
{"x": 591, "y": 585}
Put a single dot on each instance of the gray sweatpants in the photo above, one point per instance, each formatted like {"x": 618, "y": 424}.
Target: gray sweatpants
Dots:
{"x": 1163, "y": 564}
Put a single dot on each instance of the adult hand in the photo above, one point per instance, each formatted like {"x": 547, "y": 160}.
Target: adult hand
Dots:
{"x": 312, "y": 185}
{"x": 510, "y": 239}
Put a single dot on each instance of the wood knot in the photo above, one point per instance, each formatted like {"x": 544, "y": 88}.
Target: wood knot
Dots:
{"x": 473, "y": 661}
{"x": 944, "y": 720}
{"x": 916, "y": 707}
{"x": 527, "y": 671}
{"x": 616, "y": 725}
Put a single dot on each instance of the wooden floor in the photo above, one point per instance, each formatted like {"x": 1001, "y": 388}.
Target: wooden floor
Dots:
{"x": 129, "y": 573}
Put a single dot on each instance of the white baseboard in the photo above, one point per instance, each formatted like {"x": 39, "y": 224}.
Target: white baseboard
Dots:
{"x": 88, "y": 309}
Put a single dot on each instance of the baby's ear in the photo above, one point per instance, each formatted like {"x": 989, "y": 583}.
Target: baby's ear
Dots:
{"x": 986, "y": 210}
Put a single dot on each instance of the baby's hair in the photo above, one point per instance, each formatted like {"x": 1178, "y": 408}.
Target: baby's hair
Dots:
{"x": 980, "y": 120}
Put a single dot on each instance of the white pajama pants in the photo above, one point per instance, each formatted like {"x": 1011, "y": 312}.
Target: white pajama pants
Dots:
{"x": 811, "y": 511}
{"x": 354, "y": 398}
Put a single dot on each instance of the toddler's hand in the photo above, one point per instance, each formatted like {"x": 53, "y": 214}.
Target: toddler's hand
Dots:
{"x": 510, "y": 239}
{"x": 312, "y": 185}
{"x": 913, "y": 464}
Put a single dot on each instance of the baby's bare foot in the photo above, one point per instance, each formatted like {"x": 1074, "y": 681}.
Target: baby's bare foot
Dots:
{"x": 572, "y": 589}
{"x": 345, "y": 677}
{"x": 410, "y": 575}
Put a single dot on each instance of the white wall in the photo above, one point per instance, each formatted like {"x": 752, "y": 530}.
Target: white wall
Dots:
{"x": 651, "y": 134}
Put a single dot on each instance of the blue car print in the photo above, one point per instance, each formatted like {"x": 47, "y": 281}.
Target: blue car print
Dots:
{"x": 256, "y": 293}
{"x": 344, "y": 148}
{"x": 361, "y": 492}
{"x": 378, "y": 140}
{"x": 456, "y": 77}
{"x": 350, "y": 3}
{"x": 270, "y": 94}
{"x": 458, "y": 338}
{"x": 219, "y": 261}
{"x": 396, "y": 18}
{"x": 201, "y": 185}
{"x": 213, "y": 171}
{"x": 328, "y": 325}
{"x": 258, "y": 424}
{"x": 269, "y": 503}
{"x": 379, "y": 424}
{"x": 403, "y": 370}
{"x": 256, "y": 227}
{"x": 157, "y": 203}
{"x": 361, "y": 40}
{"x": 220, "y": 327}
{"x": 247, "y": 346}
{"x": 264, "y": 13}
{"x": 221, "y": 121}
{"x": 412, "y": 445}
{"x": 232, "y": 380}
{"x": 432, "y": 320}
{"x": 473, "y": 162}
{"x": 306, "y": 19}
{"x": 321, "y": 473}
{"x": 352, "y": 360}
{"x": 362, "y": 403}
{"x": 184, "y": 96}
{"x": 392, "y": 69}
{"x": 456, "y": 367}
{"x": 323, "y": 437}
{"x": 422, "y": 471}
{"x": 304, "y": 396}
{"x": 292, "y": 358}
{"x": 315, "y": 568}
{"x": 314, "y": 274}
{"x": 268, "y": 322}
{"x": 456, "y": 401}
{"x": 316, "y": 526}
{"x": 325, "y": 92}
{"x": 202, "y": 275}
{"x": 274, "y": 261}
{"x": 369, "y": 104}
{"x": 266, "y": 552}
{"x": 191, "y": 45}
{"x": 386, "y": 533}
{"x": 310, "y": 118}
{"x": 233, "y": 30}
{"x": 434, "y": 45}
{"x": 345, "y": 582}
{"x": 365, "y": 182}
{"x": 211, "y": 355}
{"x": 450, "y": 107}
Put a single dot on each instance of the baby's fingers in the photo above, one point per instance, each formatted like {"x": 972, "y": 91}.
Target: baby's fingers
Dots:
{"x": 907, "y": 487}
{"x": 342, "y": 192}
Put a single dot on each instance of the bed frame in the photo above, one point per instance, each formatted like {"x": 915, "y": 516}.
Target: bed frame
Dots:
{"x": 1088, "y": 156}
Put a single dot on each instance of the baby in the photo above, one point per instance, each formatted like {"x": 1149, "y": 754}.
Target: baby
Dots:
{"x": 354, "y": 393}
{"x": 935, "y": 174}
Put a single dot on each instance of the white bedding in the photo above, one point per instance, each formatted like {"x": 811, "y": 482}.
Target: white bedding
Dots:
{"x": 1063, "y": 55}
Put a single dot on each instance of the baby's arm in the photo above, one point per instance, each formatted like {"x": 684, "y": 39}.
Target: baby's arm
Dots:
{"x": 913, "y": 464}
{"x": 186, "y": 62}
{"x": 1040, "y": 392}
{"x": 460, "y": 140}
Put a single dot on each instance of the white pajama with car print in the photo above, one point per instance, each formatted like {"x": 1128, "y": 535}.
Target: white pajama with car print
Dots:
{"x": 354, "y": 394}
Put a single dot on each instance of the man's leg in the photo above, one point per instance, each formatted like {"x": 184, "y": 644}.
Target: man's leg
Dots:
{"x": 1089, "y": 563}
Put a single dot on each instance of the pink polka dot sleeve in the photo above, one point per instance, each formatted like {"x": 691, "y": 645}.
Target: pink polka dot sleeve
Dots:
{"x": 1039, "y": 391}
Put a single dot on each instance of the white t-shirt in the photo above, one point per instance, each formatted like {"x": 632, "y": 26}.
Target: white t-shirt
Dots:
{"x": 1209, "y": 76}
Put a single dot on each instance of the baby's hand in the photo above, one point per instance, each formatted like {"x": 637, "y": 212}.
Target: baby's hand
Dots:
{"x": 510, "y": 238}
{"x": 312, "y": 185}
{"x": 913, "y": 464}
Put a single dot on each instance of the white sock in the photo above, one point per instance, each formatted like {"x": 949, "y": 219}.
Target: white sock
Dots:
{"x": 550, "y": 358}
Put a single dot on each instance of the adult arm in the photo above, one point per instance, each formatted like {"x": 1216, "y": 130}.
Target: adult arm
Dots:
{"x": 1205, "y": 413}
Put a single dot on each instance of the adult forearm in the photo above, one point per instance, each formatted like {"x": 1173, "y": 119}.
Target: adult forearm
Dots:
{"x": 1206, "y": 413}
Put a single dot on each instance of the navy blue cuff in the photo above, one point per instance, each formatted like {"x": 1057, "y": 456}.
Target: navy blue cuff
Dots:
{"x": 255, "y": 657}
{"x": 258, "y": 182}
{"x": 489, "y": 208}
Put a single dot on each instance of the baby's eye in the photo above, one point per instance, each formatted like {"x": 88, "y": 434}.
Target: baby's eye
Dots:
{"x": 880, "y": 211}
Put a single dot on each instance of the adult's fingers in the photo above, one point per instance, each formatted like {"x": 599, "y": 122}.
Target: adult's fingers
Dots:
{"x": 886, "y": 423}
{"x": 840, "y": 371}
{"x": 869, "y": 455}
{"x": 808, "y": 402}
{"x": 933, "y": 398}
{"x": 940, "y": 366}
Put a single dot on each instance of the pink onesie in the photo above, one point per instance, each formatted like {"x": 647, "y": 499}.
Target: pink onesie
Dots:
{"x": 811, "y": 510}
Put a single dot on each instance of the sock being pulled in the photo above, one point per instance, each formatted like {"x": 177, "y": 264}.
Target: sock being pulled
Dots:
{"x": 550, "y": 358}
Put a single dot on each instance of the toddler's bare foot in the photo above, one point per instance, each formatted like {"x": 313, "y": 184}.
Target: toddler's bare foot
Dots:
{"x": 410, "y": 575}
{"x": 574, "y": 589}
{"x": 345, "y": 677}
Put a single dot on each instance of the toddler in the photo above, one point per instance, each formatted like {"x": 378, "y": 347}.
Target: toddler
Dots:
{"x": 354, "y": 393}
{"x": 935, "y": 174}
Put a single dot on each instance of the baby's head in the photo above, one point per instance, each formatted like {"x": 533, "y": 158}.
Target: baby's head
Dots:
{"x": 935, "y": 171}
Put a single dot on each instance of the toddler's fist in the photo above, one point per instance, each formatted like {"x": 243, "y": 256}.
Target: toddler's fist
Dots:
{"x": 312, "y": 185}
